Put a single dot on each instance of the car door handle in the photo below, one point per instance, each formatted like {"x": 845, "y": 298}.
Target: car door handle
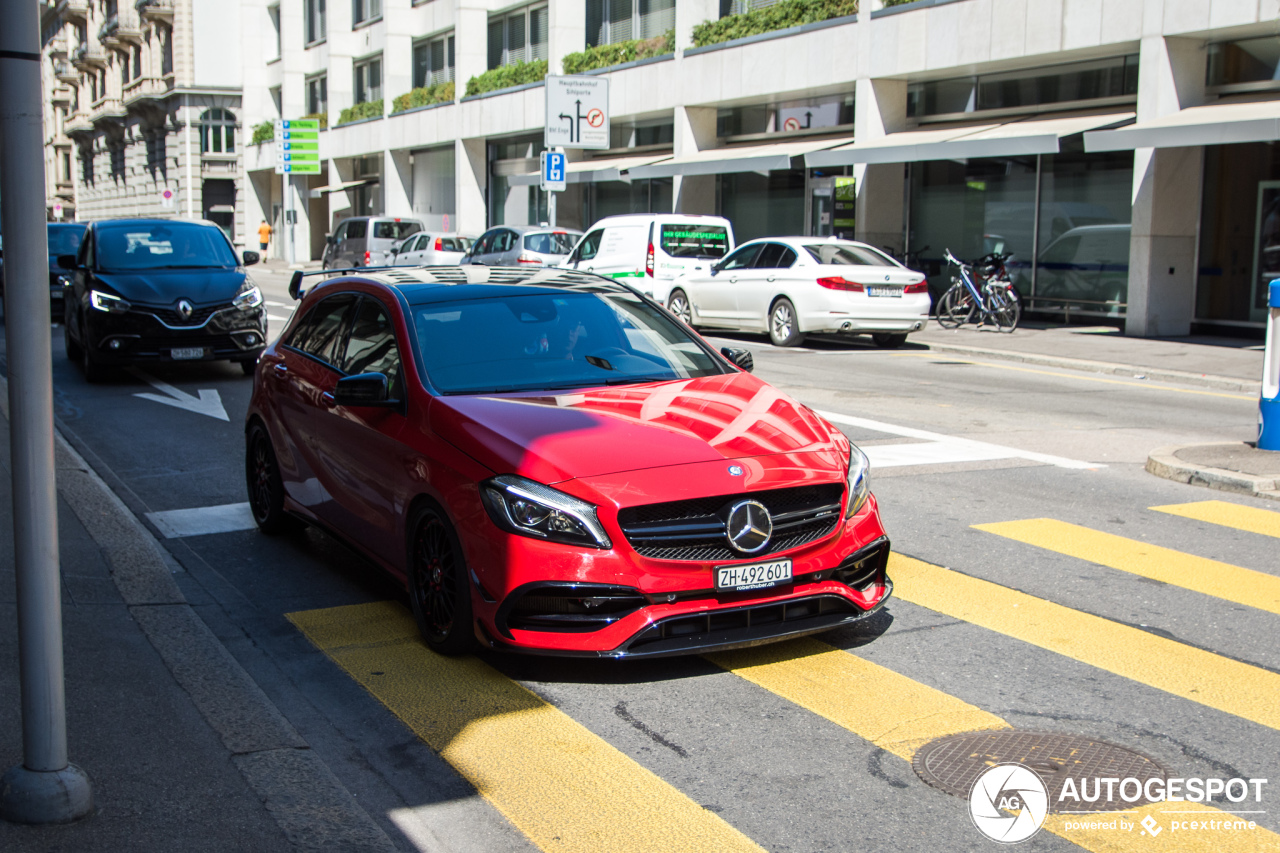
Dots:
{"x": 772, "y": 278}
{"x": 733, "y": 280}
{"x": 281, "y": 371}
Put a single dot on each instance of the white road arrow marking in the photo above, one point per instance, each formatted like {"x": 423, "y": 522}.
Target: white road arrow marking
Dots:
{"x": 208, "y": 403}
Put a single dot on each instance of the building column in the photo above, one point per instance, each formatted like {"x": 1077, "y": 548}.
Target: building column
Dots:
{"x": 690, "y": 13}
{"x": 880, "y": 108}
{"x": 470, "y": 170}
{"x": 1167, "y": 183}
{"x": 397, "y": 183}
{"x": 695, "y": 130}
{"x": 471, "y": 42}
{"x": 567, "y": 32}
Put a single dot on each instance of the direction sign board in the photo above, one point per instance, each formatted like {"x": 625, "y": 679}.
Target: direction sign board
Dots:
{"x": 297, "y": 147}
{"x": 577, "y": 112}
{"x": 554, "y": 164}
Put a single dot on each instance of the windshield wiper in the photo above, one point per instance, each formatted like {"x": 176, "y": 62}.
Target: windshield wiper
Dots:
{"x": 636, "y": 380}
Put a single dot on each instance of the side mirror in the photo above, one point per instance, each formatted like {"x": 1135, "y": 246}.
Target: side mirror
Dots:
{"x": 741, "y": 357}
{"x": 67, "y": 262}
{"x": 295, "y": 285}
{"x": 363, "y": 389}
{"x": 251, "y": 258}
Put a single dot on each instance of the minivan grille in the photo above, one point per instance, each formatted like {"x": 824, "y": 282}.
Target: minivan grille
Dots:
{"x": 694, "y": 529}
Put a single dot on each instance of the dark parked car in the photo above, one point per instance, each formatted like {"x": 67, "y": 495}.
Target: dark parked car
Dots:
{"x": 161, "y": 290}
{"x": 64, "y": 239}
{"x": 365, "y": 241}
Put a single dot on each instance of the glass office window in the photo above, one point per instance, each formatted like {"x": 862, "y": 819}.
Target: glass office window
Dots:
{"x": 433, "y": 62}
{"x": 368, "y": 80}
{"x": 760, "y": 206}
{"x": 520, "y": 36}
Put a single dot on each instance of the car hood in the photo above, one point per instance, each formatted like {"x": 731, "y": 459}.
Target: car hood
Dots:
{"x": 202, "y": 287}
{"x": 552, "y": 438}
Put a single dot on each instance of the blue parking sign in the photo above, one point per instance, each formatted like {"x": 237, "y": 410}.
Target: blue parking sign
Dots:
{"x": 554, "y": 164}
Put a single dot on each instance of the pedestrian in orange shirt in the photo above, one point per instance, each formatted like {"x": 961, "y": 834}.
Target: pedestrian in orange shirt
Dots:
{"x": 264, "y": 236}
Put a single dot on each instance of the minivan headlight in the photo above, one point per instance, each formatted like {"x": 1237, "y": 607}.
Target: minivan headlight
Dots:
{"x": 248, "y": 297}
{"x": 106, "y": 302}
{"x": 858, "y": 480}
{"x": 527, "y": 508}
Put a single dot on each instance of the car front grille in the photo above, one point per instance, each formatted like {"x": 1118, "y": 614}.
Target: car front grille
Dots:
{"x": 170, "y": 317}
{"x": 695, "y": 530}
{"x": 742, "y": 624}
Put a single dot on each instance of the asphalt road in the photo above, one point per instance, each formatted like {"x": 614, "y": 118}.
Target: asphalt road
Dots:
{"x": 1077, "y": 624}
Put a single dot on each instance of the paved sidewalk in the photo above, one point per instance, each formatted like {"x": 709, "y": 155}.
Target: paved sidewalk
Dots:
{"x": 183, "y": 750}
{"x": 1229, "y": 467}
{"x": 1230, "y": 363}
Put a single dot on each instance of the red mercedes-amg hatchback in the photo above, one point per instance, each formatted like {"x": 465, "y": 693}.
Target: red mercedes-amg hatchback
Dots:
{"x": 555, "y": 464}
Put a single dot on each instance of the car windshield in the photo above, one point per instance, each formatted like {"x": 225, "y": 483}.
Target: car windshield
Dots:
{"x": 394, "y": 230}
{"x": 65, "y": 239}
{"x": 695, "y": 241}
{"x": 162, "y": 245}
{"x": 545, "y": 341}
{"x": 551, "y": 242}
{"x": 839, "y": 254}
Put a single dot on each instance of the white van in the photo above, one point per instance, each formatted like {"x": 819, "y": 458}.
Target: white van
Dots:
{"x": 649, "y": 250}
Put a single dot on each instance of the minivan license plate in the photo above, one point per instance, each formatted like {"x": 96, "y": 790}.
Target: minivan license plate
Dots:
{"x": 186, "y": 353}
{"x": 753, "y": 575}
{"x": 872, "y": 290}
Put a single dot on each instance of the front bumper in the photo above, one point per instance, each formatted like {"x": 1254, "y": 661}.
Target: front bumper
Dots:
{"x": 141, "y": 335}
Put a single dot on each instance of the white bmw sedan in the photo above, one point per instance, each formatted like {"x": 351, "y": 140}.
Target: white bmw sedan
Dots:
{"x": 793, "y": 286}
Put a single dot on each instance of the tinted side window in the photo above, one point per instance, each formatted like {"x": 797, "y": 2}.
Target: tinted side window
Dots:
{"x": 590, "y": 246}
{"x": 86, "y": 253}
{"x": 321, "y": 332}
{"x": 356, "y": 229}
{"x": 484, "y": 244}
{"x": 341, "y": 233}
{"x": 503, "y": 241}
{"x": 371, "y": 348}
{"x": 742, "y": 258}
{"x": 770, "y": 256}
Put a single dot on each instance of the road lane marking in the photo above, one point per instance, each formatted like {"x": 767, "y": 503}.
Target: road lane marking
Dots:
{"x": 1146, "y": 385}
{"x": 1198, "y": 574}
{"x": 1184, "y": 671}
{"x": 201, "y": 521}
{"x": 273, "y": 318}
{"x": 955, "y": 444}
{"x": 564, "y": 787}
{"x": 900, "y": 715}
{"x": 279, "y": 304}
{"x": 208, "y": 403}
{"x": 1250, "y": 519}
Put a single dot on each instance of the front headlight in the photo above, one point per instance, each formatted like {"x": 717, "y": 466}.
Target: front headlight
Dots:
{"x": 858, "y": 481}
{"x": 528, "y": 508}
{"x": 106, "y": 302}
{"x": 248, "y": 297}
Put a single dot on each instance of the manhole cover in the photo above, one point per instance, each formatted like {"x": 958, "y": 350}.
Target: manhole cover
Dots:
{"x": 953, "y": 763}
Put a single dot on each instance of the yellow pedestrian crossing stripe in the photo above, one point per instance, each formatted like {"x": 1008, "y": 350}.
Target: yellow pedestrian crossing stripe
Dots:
{"x": 561, "y": 785}
{"x": 1251, "y": 519}
{"x": 1199, "y": 574}
{"x": 900, "y": 715}
{"x": 1190, "y": 673}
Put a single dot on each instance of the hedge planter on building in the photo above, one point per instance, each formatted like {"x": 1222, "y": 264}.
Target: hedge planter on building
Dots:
{"x": 608, "y": 55}
{"x": 506, "y": 76}
{"x": 423, "y": 96}
{"x": 780, "y": 16}
{"x": 359, "y": 112}
{"x": 263, "y": 132}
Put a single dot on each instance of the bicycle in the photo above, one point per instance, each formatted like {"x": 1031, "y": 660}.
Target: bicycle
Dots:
{"x": 996, "y": 300}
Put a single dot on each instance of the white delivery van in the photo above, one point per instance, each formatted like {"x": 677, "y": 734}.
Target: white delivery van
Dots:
{"x": 649, "y": 250}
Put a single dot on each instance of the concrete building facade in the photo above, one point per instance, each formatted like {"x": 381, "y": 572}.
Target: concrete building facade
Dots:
{"x": 142, "y": 105}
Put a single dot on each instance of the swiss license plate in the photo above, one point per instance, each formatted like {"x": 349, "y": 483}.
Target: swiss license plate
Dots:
{"x": 186, "y": 353}
{"x": 753, "y": 575}
{"x": 873, "y": 290}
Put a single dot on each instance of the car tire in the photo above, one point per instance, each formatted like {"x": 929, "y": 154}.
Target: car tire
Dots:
{"x": 784, "y": 326}
{"x": 265, "y": 485}
{"x": 678, "y": 304}
{"x": 94, "y": 370}
{"x": 439, "y": 592}
{"x": 888, "y": 340}
{"x": 248, "y": 367}
{"x": 74, "y": 352}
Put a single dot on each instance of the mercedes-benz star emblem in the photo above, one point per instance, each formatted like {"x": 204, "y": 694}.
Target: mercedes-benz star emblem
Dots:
{"x": 749, "y": 526}
{"x": 736, "y": 470}
{"x": 185, "y": 309}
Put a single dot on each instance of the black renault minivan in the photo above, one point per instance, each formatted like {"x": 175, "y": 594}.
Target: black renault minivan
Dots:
{"x": 148, "y": 290}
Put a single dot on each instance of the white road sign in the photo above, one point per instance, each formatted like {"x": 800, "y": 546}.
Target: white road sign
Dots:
{"x": 577, "y": 112}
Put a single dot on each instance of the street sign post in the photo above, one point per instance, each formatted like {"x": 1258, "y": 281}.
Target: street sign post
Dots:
{"x": 554, "y": 166}
{"x": 577, "y": 112}
{"x": 297, "y": 153}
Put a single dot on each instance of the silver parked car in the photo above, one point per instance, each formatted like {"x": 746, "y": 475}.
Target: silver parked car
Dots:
{"x": 431, "y": 249}
{"x": 366, "y": 241}
{"x": 514, "y": 245}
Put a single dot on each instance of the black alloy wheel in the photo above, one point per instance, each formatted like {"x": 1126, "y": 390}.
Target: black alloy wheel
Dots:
{"x": 266, "y": 488}
{"x": 438, "y": 590}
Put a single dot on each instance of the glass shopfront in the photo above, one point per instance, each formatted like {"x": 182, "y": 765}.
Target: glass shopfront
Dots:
{"x": 1065, "y": 217}
{"x": 762, "y": 206}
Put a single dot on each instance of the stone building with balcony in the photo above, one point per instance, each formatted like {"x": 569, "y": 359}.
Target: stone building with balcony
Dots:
{"x": 142, "y": 109}
{"x": 1125, "y": 151}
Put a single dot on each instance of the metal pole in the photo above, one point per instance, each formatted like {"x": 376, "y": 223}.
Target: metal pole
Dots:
{"x": 186, "y": 136}
{"x": 44, "y": 788}
{"x": 288, "y": 218}
{"x": 551, "y": 208}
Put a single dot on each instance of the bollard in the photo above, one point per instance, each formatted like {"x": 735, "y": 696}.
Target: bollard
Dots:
{"x": 1269, "y": 404}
